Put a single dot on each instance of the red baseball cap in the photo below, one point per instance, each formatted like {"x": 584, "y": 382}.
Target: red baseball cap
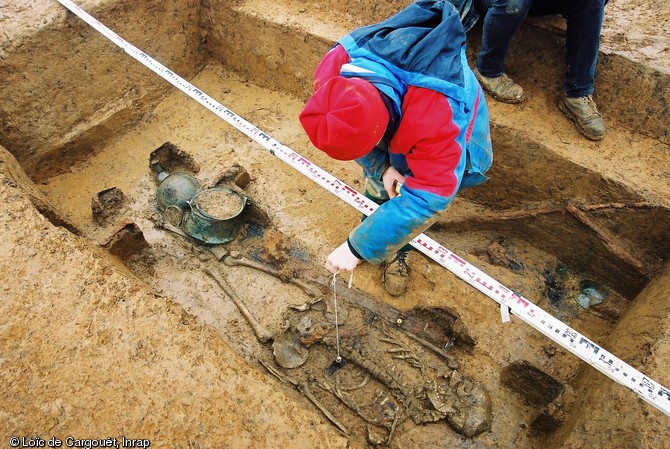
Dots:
{"x": 345, "y": 118}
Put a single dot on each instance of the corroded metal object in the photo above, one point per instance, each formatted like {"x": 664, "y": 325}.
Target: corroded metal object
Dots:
{"x": 209, "y": 228}
{"x": 175, "y": 189}
{"x": 288, "y": 351}
{"x": 591, "y": 293}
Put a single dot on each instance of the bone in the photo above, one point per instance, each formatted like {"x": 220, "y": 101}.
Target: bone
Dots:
{"x": 240, "y": 261}
{"x": 262, "y": 334}
{"x": 351, "y": 404}
{"x": 304, "y": 389}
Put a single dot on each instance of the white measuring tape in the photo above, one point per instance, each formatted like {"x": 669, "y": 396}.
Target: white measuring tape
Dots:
{"x": 596, "y": 356}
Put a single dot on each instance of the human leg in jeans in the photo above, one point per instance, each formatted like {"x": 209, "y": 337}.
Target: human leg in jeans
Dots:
{"x": 501, "y": 18}
{"x": 584, "y": 19}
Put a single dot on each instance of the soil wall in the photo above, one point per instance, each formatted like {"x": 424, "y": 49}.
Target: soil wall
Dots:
{"x": 51, "y": 61}
{"x": 610, "y": 417}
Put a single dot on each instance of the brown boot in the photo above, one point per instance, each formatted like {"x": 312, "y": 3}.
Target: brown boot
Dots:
{"x": 584, "y": 113}
{"x": 502, "y": 88}
{"x": 395, "y": 274}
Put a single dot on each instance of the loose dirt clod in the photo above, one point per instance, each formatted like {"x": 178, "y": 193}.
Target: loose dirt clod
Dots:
{"x": 172, "y": 158}
{"x": 531, "y": 383}
{"x": 126, "y": 241}
{"x": 107, "y": 203}
{"x": 236, "y": 174}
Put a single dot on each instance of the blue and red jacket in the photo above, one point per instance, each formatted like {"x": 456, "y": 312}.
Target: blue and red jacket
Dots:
{"x": 438, "y": 135}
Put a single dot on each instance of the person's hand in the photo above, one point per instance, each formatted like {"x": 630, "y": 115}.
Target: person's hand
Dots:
{"x": 390, "y": 177}
{"x": 342, "y": 259}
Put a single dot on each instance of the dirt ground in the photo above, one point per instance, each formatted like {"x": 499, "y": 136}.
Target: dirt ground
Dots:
{"x": 638, "y": 30}
{"x": 113, "y": 325}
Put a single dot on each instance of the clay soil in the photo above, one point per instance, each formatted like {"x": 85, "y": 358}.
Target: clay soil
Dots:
{"x": 115, "y": 325}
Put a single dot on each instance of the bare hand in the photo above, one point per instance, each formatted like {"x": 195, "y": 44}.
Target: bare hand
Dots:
{"x": 390, "y": 178}
{"x": 342, "y": 259}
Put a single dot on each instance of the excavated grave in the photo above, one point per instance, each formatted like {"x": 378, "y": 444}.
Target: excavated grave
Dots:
{"x": 458, "y": 372}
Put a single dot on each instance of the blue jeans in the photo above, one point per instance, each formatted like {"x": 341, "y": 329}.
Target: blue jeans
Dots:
{"x": 584, "y": 22}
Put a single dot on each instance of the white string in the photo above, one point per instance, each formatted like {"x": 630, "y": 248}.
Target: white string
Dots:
{"x": 337, "y": 327}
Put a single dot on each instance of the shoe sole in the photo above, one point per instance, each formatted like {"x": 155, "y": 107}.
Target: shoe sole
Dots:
{"x": 498, "y": 97}
{"x": 504, "y": 99}
{"x": 565, "y": 110}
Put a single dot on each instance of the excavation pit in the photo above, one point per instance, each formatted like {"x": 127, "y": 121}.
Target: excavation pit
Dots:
{"x": 554, "y": 213}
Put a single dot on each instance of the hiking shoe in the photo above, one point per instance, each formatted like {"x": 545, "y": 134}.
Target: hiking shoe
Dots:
{"x": 502, "y": 88}
{"x": 584, "y": 113}
{"x": 395, "y": 274}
